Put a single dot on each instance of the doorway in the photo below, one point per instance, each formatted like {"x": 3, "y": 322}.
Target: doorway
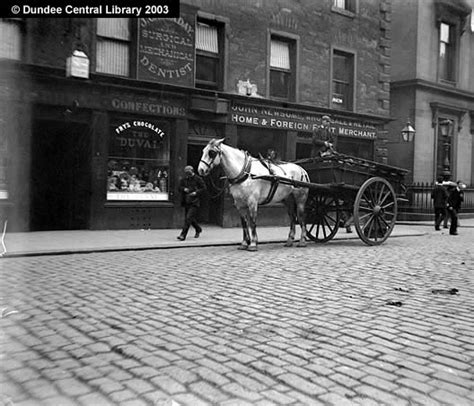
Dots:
{"x": 60, "y": 176}
{"x": 211, "y": 211}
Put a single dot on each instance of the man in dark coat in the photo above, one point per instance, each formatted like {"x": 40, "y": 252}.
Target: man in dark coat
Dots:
{"x": 455, "y": 198}
{"x": 323, "y": 140}
{"x": 439, "y": 194}
{"x": 191, "y": 188}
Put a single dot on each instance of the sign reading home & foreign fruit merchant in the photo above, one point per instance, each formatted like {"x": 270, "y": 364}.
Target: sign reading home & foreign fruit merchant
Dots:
{"x": 166, "y": 50}
{"x": 285, "y": 119}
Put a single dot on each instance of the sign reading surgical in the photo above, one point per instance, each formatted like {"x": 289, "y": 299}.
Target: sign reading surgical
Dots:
{"x": 166, "y": 50}
{"x": 284, "y": 119}
{"x": 138, "y": 164}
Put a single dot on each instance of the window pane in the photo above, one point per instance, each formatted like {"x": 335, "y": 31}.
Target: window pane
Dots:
{"x": 279, "y": 84}
{"x": 280, "y": 54}
{"x": 206, "y": 38}
{"x": 206, "y": 68}
{"x": 10, "y": 44}
{"x": 117, "y": 28}
{"x": 444, "y": 32}
{"x": 112, "y": 57}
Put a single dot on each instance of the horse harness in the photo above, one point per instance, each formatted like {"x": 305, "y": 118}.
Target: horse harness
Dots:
{"x": 245, "y": 173}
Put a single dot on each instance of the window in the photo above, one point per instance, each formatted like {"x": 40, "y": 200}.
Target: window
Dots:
{"x": 209, "y": 51}
{"x": 10, "y": 32}
{"x": 113, "y": 46}
{"x": 282, "y": 60}
{"x": 447, "y": 52}
{"x": 138, "y": 165}
{"x": 342, "y": 80}
{"x": 348, "y": 5}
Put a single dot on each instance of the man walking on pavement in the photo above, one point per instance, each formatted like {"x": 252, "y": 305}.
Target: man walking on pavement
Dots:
{"x": 455, "y": 199}
{"x": 439, "y": 195}
{"x": 191, "y": 187}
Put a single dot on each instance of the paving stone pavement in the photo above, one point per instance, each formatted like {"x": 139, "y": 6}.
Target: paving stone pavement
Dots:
{"x": 335, "y": 324}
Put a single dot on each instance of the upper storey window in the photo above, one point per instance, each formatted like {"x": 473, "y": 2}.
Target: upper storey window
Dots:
{"x": 209, "y": 55}
{"x": 11, "y": 34}
{"x": 282, "y": 68}
{"x": 342, "y": 80}
{"x": 113, "y": 46}
{"x": 348, "y": 5}
{"x": 447, "y": 52}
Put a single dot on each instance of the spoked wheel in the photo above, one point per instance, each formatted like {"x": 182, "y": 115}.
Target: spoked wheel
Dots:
{"x": 375, "y": 211}
{"x": 322, "y": 217}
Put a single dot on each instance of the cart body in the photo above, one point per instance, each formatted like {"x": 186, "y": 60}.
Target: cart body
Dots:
{"x": 351, "y": 190}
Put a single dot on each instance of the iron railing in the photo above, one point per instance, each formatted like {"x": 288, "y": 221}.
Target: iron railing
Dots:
{"x": 419, "y": 199}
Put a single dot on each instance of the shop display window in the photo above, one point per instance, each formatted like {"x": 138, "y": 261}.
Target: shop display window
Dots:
{"x": 138, "y": 163}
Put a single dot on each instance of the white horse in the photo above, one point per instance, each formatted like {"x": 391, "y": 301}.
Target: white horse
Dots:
{"x": 255, "y": 182}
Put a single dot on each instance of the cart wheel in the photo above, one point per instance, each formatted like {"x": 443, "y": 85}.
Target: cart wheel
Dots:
{"x": 375, "y": 211}
{"x": 322, "y": 218}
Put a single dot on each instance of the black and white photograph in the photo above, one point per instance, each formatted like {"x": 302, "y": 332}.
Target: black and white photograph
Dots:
{"x": 237, "y": 203}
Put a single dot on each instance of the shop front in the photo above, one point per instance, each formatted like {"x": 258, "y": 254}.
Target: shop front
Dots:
{"x": 262, "y": 129}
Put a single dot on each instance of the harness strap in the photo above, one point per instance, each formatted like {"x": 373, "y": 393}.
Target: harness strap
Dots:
{"x": 271, "y": 193}
{"x": 244, "y": 173}
{"x": 275, "y": 182}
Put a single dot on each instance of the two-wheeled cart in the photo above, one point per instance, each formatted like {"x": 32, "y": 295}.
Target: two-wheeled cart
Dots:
{"x": 347, "y": 190}
{"x": 351, "y": 190}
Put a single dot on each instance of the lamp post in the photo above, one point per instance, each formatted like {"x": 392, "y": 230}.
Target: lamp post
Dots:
{"x": 446, "y": 127}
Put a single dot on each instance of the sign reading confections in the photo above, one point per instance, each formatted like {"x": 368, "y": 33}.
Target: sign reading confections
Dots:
{"x": 285, "y": 119}
{"x": 166, "y": 50}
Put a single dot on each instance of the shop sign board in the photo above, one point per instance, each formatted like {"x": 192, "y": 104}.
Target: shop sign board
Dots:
{"x": 133, "y": 104}
{"x": 293, "y": 120}
{"x": 166, "y": 50}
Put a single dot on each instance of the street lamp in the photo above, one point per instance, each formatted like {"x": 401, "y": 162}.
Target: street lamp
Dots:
{"x": 446, "y": 127}
{"x": 408, "y": 132}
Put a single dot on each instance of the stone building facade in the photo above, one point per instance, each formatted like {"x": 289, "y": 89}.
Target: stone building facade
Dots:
{"x": 101, "y": 115}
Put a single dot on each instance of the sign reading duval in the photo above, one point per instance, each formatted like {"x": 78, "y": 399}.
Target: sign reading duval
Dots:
{"x": 166, "y": 50}
{"x": 283, "y": 119}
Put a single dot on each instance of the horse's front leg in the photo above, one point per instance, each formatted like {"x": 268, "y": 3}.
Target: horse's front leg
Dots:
{"x": 253, "y": 228}
{"x": 300, "y": 206}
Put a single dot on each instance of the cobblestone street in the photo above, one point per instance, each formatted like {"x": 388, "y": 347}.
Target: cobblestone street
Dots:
{"x": 336, "y": 324}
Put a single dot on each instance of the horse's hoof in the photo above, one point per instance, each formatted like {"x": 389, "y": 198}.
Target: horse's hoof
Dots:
{"x": 252, "y": 248}
{"x": 242, "y": 247}
{"x": 288, "y": 244}
{"x": 301, "y": 245}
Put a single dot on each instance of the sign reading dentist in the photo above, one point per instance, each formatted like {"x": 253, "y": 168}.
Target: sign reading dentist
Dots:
{"x": 166, "y": 50}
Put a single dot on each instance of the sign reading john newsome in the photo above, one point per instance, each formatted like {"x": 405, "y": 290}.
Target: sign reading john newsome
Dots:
{"x": 166, "y": 50}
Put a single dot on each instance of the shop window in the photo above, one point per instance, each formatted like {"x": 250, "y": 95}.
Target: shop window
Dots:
{"x": 348, "y": 5}
{"x": 138, "y": 164}
{"x": 282, "y": 68}
{"x": 209, "y": 55}
{"x": 113, "y": 46}
{"x": 342, "y": 80}
{"x": 447, "y": 52}
{"x": 11, "y": 34}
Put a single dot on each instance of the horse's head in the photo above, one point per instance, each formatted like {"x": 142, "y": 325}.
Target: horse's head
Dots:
{"x": 211, "y": 156}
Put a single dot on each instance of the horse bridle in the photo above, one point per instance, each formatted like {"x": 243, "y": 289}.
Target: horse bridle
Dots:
{"x": 213, "y": 155}
{"x": 244, "y": 173}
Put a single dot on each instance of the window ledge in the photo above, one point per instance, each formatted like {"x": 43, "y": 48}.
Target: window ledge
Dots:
{"x": 448, "y": 82}
{"x": 343, "y": 12}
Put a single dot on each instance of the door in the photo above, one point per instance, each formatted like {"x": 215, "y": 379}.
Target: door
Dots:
{"x": 212, "y": 201}
{"x": 60, "y": 176}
